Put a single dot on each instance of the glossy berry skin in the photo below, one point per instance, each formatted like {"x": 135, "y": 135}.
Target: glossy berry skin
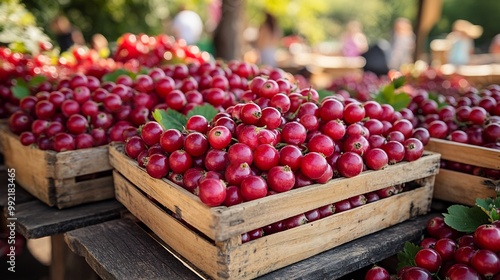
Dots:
{"x": 485, "y": 262}
{"x": 313, "y": 165}
{"x": 414, "y": 149}
{"x": 280, "y": 178}
{"x": 321, "y": 144}
{"x": 462, "y": 272}
{"x": 377, "y": 273}
{"x": 239, "y": 153}
{"x": 291, "y": 156}
{"x": 488, "y": 237}
{"x": 212, "y": 192}
{"x": 180, "y": 161}
{"x": 376, "y": 159}
{"x": 349, "y": 164}
{"x": 416, "y": 273}
{"x": 428, "y": 259}
{"x": 294, "y": 133}
{"x": 197, "y": 123}
{"x": 77, "y": 124}
{"x": 196, "y": 144}
{"x": 446, "y": 248}
{"x": 151, "y": 133}
{"x": 63, "y": 142}
{"x": 395, "y": 151}
{"x": 265, "y": 157}
{"x": 253, "y": 187}
{"x": 171, "y": 140}
{"x": 354, "y": 112}
{"x": 219, "y": 137}
{"x": 157, "y": 166}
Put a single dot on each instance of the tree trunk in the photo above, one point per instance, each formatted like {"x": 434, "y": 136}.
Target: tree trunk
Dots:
{"x": 227, "y": 35}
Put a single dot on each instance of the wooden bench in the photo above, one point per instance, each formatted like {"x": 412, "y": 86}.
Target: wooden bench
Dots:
{"x": 35, "y": 219}
{"x": 123, "y": 249}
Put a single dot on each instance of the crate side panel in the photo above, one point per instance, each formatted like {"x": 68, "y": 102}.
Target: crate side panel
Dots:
{"x": 278, "y": 250}
{"x": 69, "y": 192}
{"x": 33, "y": 167}
{"x": 464, "y": 153}
{"x": 458, "y": 187}
{"x": 184, "y": 241}
{"x": 81, "y": 162}
{"x": 183, "y": 203}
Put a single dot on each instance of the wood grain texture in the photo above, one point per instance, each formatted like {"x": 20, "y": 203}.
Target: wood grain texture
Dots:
{"x": 221, "y": 223}
{"x": 120, "y": 249}
{"x": 35, "y": 219}
{"x": 464, "y": 153}
{"x": 67, "y": 265}
{"x": 232, "y": 260}
{"x": 462, "y": 188}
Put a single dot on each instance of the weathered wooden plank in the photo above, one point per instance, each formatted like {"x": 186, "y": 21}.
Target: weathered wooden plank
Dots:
{"x": 67, "y": 265}
{"x": 120, "y": 249}
{"x": 35, "y": 219}
{"x": 465, "y": 153}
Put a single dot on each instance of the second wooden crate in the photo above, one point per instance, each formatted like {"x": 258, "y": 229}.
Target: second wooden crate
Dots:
{"x": 463, "y": 188}
{"x": 62, "y": 179}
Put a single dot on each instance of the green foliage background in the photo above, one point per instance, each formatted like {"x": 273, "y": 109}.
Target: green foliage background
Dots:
{"x": 316, "y": 20}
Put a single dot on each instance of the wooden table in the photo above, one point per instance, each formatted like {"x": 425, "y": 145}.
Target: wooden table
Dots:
{"x": 35, "y": 219}
{"x": 122, "y": 249}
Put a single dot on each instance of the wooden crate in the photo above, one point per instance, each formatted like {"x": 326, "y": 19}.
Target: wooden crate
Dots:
{"x": 460, "y": 187}
{"x": 210, "y": 238}
{"x": 62, "y": 179}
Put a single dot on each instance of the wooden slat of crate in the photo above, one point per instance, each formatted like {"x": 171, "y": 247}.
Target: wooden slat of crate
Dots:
{"x": 464, "y": 153}
{"x": 230, "y": 259}
{"x": 59, "y": 179}
{"x": 462, "y": 188}
{"x": 220, "y": 223}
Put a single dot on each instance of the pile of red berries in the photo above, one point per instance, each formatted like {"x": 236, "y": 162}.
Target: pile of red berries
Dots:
{"x": 153, "y": 51}
{"x": 473, "y": 119}
{"x": 277, "y": 139}
{"x": 448, "y": 254}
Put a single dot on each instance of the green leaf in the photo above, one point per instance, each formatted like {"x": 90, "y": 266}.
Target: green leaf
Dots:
{"x": 465, "y": 219}
{"x": 438, "y": 98}
{"x": 399, "y": 82}
{"x": 20, "y": 89}
{"x": 112, "y": 76}
{"x": 170, "y": 119}
{"x": 37, "y": 80}
{"x": 207, "y": 110}
{"x": 407, "y": 256}
{"x": 400, "y": 101}
{"x": 323, "y": 93}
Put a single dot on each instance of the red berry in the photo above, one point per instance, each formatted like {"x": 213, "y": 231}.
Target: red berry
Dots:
{"x": 377, "y": 273}
{"x": 253, "y": 187}
{"x": 212, "y": 192}
{"x": 280, "y": 178}
{"x": 349, "y": 164}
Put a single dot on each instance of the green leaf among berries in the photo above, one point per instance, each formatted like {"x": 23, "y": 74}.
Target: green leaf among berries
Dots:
{"x": 207, "y": 110}
{"x": 407, "y": 256}
{"x": 20, "y": 89}
{"x": 112, "y": 76}
{"x": 465, "y": 219}
{"x": 37, "y": 80}
{"x": 323, "y": 93}
{"x": 169, "y": 119}
{"x": 388, "y": 95}
{"x": 490, "y": 206}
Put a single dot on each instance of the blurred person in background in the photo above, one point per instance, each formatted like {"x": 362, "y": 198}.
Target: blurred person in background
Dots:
{"x": 269, "y": 36}
{"x": 461, "y": 41}
{"x": 187, "y": 25}
{"x": 495, "y": 45}
{"x": 402, "y": 44}
{"x": 65, "y": 33}
{"x": 353, "y": 40}
{"x": 100, "y": 44}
